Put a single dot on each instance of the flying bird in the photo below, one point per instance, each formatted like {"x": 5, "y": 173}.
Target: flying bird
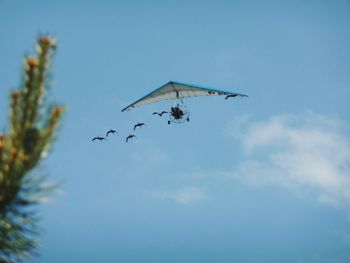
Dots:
{"x": 235, "y": 95}
{"x": 231, "y": 96}
{"x": 129, "y": 137}
{"x": 98, "y": 138}
{"x": 160, "y": 113}
{"x": 140, "y": 124}
{"x": 111, "y": 131}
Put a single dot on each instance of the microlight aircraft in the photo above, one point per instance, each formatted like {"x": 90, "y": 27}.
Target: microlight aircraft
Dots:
{"x": 178, "y": 91}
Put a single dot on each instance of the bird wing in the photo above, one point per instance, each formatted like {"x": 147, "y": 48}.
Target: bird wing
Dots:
{"x": 177, "y": 90}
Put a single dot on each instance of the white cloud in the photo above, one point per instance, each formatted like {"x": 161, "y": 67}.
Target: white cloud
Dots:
{"x": 310, "y": 152}
{"x": 184, "y": 196}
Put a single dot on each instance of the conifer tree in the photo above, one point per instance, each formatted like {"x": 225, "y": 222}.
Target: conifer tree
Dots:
{"x": 31, "y": 130}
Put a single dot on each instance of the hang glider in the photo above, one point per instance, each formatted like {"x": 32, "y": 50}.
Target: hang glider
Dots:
{"x": 176, "y": 90}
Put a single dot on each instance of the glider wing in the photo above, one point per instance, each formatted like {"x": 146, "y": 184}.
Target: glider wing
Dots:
{"x": 177, "y": 90}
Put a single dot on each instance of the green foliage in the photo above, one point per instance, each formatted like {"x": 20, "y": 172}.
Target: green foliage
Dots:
{"x": 31, "y": 132}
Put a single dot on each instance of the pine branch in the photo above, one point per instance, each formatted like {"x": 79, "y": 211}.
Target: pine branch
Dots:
{"x": 21, "y": 150}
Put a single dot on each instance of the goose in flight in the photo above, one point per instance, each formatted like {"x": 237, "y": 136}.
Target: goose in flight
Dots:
{"x": 129, "y": 137}
{"x": 234, "y": 95}
{"x": 160, "y": 113}
{"x": 98, "y": 138}
{"x": 111, "y": 131}
{"x": 140, "y": 124}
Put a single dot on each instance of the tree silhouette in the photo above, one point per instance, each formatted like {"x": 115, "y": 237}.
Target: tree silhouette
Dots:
{"x": 31, "y": 131}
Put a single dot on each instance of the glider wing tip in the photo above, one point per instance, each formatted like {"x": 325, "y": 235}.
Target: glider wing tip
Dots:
{"x": 125, "y": 109}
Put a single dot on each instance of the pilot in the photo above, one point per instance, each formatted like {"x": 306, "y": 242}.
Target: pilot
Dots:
{"x": 176, "y": 112}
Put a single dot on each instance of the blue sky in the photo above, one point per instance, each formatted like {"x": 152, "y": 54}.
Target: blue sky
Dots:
{"x": 263, "y": 179}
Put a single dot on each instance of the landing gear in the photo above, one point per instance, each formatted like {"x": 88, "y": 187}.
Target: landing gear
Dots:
{"x": 187, "y": 119}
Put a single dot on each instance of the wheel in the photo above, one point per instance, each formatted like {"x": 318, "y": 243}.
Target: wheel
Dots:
{"x": 188, "y": 119}
{"x": 169, "y": 122}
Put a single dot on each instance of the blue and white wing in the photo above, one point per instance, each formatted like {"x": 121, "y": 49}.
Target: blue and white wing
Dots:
{"x": 177, "y": 90}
